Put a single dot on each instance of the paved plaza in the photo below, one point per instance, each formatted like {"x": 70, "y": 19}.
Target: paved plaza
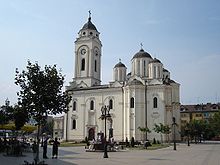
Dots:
{"x": 196, "y": 154}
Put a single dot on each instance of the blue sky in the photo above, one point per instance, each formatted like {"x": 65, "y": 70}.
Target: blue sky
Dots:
{"x": 183, "y": 34}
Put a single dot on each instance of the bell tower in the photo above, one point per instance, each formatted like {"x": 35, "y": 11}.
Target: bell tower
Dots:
{"x": 88, "y": 56}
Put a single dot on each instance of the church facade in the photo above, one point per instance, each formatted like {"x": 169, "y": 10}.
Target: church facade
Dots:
{"x": 142, "y": 98}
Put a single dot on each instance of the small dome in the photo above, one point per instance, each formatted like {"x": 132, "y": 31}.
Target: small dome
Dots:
{"x": 155, "y": 60}
{"x": 142, "y": 54}
{"x": 118, "y": 65}
{"x": 89, "y": 25}
{"x": 135, "y": 82}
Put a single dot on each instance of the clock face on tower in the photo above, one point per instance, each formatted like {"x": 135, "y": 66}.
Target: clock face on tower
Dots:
{"x": 83, "y": 51}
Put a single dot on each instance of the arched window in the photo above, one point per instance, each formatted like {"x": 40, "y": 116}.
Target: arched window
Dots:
{"x": 155, "y": 74}
{"x": 83, "y": 64}
{"x": 155, "y": 102}
{"x": 92, "y": 105}
{"x": 95, "y": 66}
{"x": 74, "y": 105}
{"x": 74, "y": 124}
{"x": 110, "y": 104}
{"x": 144, "y": 68}
{"x": 132, "y": 103}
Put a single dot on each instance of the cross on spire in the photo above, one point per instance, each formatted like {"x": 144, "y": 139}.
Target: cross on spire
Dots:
{"x": 89, "y": 13}
{"x": 119, "y": 60}
{"x": 141, "y": 45}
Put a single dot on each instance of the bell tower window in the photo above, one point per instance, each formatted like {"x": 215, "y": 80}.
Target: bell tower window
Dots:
{"x": 132, "y": 103}
{"x": 110, "y": 104}
{"x": 95, "y": 66}
{"x": 155, "y": 102}
{"x": 74, "y": 124}
{"x": 92, "y": 105}
{"x": 74, "y": 105}
{"x": 83, "y": 64}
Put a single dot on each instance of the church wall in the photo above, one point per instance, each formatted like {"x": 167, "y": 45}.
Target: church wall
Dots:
{"x": 134, "y": 117}
{"x": 155, "y": 115}
{"x": 87, "y": 118}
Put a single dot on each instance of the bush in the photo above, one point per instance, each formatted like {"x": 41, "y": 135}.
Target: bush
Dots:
{"x": 154, "y": 141}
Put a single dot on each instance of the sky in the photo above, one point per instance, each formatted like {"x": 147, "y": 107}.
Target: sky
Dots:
{"x": 183, "y": 34}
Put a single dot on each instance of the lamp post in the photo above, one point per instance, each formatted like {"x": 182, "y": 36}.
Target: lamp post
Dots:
{"x": 174, "y": 133}
{"x": 105, "y": 115}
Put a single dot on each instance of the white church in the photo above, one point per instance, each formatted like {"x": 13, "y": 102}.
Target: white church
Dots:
{"x": 141, "y": 98}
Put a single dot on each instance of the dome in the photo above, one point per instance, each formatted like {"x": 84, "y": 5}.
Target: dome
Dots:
{"x": 118, "y": 65}
{"x": 135, "y": 82}
{"x": 89, "y": 25}
{"x": 155, "y": 60}
{"x": 142, "y": 54}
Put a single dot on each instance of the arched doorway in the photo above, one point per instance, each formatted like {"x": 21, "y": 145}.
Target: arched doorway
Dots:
{"x": 91, "y": 134}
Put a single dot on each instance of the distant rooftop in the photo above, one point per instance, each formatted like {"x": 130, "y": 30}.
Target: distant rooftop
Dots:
{"x": 200, "y": 108}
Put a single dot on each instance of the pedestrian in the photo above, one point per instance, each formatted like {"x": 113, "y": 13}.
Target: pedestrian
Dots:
{"x": 45, "y": 149}
{"x": 34, "y": 149}
{"x": 55, "y": 148}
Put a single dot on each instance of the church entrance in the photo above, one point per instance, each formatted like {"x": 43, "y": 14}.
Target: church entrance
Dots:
{"x": 91, "y": 134}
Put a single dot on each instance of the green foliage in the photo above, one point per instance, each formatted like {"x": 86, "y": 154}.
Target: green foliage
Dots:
{"x": 144, "y": 130}
{"x": 6, "y": 113}
{"x": 20, "y": 117}
{"x": 41, "y": 91}
{"x": 215, "y": 124}
{"x": 47, "y": 127}
{"x": 162, "y": 129}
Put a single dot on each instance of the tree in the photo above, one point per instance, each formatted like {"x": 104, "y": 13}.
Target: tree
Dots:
{"x": 41, "y": 93}
{"x": 20, "y": 117}
{"x": 6, "y": 113}
{"x": 144, "y": 130}
{"x": 215, "y": 123}
{"x": 162, "y": 129}
{"x": 167, "y": 131}
{"x": 47, "y": 128}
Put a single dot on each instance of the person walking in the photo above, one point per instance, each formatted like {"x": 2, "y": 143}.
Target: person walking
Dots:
{"x": 45, "y": 149}
{"x": 34, "y": 149}
{"x": 55, "y": 148}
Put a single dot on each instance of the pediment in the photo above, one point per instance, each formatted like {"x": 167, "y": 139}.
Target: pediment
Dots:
{"x": 116, "y": 84}
{"x": 82, "y": 85}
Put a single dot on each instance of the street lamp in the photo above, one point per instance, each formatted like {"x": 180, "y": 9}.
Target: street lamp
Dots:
{"x": 174, "y": 133}
{"x": 105, "y": 115}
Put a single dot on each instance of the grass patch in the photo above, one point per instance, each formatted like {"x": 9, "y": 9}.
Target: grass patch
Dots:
{"x": 153, "y": 147}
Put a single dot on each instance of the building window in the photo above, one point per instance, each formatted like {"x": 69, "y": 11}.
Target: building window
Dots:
{"x": 155, "y": 102}
{"x": 92, "y": 105}
{"x": 95, "y": 66}
{"x": 74, "y": 105}
{"x": 110, "y": 104}
{"x": 154, "y": 72}
{"x": 74, "y": 124}
{"x": 132, "y": 103}
{"x": 83, "y": 64}
{"x": 144, "y": 68}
